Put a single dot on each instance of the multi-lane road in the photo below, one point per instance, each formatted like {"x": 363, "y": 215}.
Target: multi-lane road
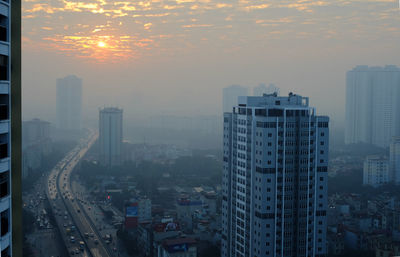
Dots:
{"x": 79, "y": 234}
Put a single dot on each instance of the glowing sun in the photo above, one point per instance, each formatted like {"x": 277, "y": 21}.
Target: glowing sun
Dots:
{"x": 101, "y": 44}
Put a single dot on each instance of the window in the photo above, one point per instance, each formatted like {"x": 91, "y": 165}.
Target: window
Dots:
{"x": 4, "y": 222}
{"x": 3, "y": 67}
{"x": 5, "y": 252}
{"x": 3, "y": 146}
{"x": 3, "y": 28}
{"x": 3, "y": 110}
{"x": 4, "y": 187}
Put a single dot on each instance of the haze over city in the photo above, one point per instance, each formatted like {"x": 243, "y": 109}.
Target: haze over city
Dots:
{"x": 174, "y": 57}
{"x": 199, "y": 128}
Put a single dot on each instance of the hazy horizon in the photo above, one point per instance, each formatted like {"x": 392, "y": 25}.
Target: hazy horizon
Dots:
{"x": 174, "y": 57}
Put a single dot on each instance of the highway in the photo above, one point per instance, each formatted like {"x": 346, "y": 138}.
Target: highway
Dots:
{"x": 74, "y": 224}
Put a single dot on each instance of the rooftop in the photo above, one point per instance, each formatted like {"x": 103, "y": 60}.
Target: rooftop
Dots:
{"x": 273, "y": 100}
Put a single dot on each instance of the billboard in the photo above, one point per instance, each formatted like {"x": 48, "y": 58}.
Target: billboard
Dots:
{"x": 131, "y": 211}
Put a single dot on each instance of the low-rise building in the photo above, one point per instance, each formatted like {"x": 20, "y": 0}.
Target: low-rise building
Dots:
{"x": 376, "y": 171}
{"x": 178, "y": 247}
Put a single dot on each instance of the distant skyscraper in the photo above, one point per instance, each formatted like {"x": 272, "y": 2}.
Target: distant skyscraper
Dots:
{"x": 274, "y": 184}
{"x": 263, "y": 89}
{"x": 69, "y": 103}
{"x": 36, "y": 143}
{"x": 110, "y": 136}
{"x": 230, "y": 96}
{"x": 395, "y": 160}
{"x": 372, "y": 105}
{"x": 376, "y": 171}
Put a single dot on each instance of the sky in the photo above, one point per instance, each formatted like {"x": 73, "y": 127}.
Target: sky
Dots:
{"x": 173, "y": 57}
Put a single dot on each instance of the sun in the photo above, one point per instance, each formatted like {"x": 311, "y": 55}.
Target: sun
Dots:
{"x": 101, "y": 44}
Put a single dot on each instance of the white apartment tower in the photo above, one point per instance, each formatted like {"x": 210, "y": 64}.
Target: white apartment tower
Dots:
{"x": 110, "y": 136}
{"x": 230, "y": 96}
{"x": 274, "y": 183}
{"x": 372, "y": 105}
{"x": 376, "y": 171}
{"x": 69, "y": 103}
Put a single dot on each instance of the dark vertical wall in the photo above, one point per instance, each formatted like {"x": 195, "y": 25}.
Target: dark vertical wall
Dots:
{"x": 16, "y": 158}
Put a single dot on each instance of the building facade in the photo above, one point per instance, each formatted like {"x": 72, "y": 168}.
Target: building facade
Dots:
{"x": 36, "y": 143}
{"x": 274, "y": 185}
{"x": 110, "y": 136}
{"x": 230, "y": 96}
{"x": 376, "y": 171}
{"x": 394, "y": 166}
{"x": 372, "y": 106}
{"x": 69, "y": 103}
{"x": 7, "y": 177}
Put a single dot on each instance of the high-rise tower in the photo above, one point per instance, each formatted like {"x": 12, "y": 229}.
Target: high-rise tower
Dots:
{"x": 69, "y": 103}
{"x": 110, "y": 136}
{"x": 10, "y": 129}
{"x": 274, "y": 178}
{"x": 372, "y": 105}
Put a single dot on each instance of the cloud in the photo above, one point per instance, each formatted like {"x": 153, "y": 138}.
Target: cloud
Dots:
{"x": 74, "y": 26}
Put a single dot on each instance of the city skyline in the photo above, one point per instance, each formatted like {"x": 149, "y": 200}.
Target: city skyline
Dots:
{"x": 302, "y": 46}
{"x": 200, "y": 128}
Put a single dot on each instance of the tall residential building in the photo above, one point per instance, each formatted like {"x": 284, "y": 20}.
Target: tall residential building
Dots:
{"x": 376, "y": 171}
{"x": 36, "y": 143}
{"x": 372, "y": 105}
{"x": 230, "y": 96}
{"x": 10, "y": 129}
{"x": 110, "y": 136}
{"x": 274, "y": 185}
{"x": 394, "y": 166}
{"x": 69, "y": 103}
{"x": 262, "y": 89}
